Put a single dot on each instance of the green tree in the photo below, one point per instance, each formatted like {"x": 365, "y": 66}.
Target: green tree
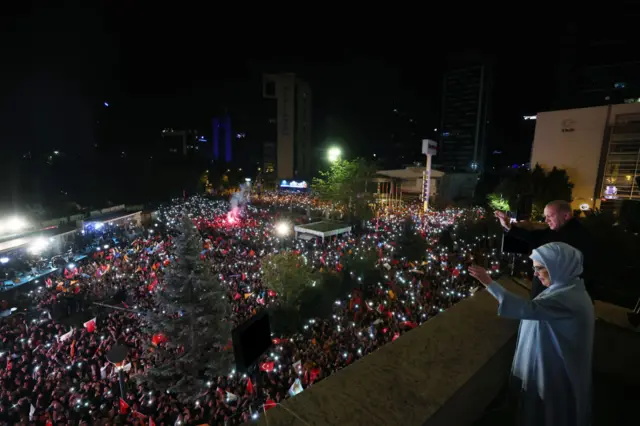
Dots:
{"x": 194, "y": 316}
{"x": 346, "y": 185}
{"x": 536, "y": 185}
{"x": 498, "y": 202}
{"x": 289, "y": 274}
{"x": 546, "y": 187}
{"x": 511, "y": 188}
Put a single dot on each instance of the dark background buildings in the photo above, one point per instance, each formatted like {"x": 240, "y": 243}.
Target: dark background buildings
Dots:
{"x": 97, "y": 84}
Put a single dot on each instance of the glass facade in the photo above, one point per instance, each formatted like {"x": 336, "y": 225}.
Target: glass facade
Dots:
{"x": 622, "y": 162}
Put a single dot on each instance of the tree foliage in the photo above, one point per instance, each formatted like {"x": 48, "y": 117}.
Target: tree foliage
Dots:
{"x": 498, "y": 202}
{"x": 346, "y": 184}
{"x": 536, "y": 185}
{"x": 194, "y": 317}
{"x": 289, "y": 274}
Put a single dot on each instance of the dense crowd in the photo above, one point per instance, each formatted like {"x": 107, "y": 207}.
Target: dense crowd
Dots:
{"x": 55, "y": 368}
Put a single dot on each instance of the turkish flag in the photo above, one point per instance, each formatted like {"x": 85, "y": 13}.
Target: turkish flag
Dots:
{"x": 267, "y": 366}
{"x": 123, "y": 406}
{"x": 90, "y": 325}
{"x": 250, "y": 386}
{"x": 268, "y": 404}
{"x": 158, "y": 338}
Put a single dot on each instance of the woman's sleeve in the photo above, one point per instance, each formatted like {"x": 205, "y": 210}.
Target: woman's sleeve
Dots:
{"x": 516, "y": 307}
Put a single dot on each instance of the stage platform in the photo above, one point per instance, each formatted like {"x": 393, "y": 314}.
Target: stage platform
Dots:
{"x": 27, "y": 278}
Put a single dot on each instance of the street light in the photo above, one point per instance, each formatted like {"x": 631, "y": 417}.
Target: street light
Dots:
{"x": 282, "y": 229}
{"x": 334, "y": 154}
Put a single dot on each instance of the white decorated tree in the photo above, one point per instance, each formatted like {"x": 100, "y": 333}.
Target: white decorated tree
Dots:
{"x": 194, "y": 316}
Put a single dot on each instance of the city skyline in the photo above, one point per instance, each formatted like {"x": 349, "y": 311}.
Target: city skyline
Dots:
{"x": 59, "y": 83}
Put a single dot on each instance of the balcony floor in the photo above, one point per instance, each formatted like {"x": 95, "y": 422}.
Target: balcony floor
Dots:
{"x": 614, "y": 403}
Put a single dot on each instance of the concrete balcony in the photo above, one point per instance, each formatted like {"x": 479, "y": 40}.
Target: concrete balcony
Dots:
{"x": 453, "y": 370}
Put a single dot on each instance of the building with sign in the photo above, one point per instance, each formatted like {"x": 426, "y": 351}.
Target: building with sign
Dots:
{"x": 293, "y": 122}
{"x": 599, "y": 147}
{"x": 292, "y": 184}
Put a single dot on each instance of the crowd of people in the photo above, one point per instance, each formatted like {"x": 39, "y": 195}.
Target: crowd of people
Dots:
{"x": 55, "y": 368}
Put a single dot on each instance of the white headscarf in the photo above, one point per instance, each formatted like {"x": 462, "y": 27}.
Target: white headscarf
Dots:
{"x": 563, "y": 262}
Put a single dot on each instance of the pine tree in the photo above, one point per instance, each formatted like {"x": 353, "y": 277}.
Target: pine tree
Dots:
{"x": 193, "y": 315}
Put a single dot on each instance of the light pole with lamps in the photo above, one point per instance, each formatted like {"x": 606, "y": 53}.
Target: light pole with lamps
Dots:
{"x": 429, "y": 148}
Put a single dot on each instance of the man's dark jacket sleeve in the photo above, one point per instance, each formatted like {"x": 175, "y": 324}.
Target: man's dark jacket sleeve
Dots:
{"x": 572, "y": 233}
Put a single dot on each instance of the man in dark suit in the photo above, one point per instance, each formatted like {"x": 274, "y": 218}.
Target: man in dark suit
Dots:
{"x": 562, "y": 227}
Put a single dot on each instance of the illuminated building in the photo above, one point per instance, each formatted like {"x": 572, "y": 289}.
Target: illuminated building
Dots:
{"x": 599, "y": 147}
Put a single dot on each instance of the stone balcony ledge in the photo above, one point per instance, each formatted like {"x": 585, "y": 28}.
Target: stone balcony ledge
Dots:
{"x": 444, "y": 372}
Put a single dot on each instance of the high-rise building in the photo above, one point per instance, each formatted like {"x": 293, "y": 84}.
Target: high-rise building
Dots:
{"x": 597, "y": 70}
{"x": 180, "y": 142}
{"x": 466, "y": 96}
{"x": 293, "y": 122}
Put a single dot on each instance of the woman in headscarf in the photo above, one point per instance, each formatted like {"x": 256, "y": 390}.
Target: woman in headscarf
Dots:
{"x": 553, "y": 359}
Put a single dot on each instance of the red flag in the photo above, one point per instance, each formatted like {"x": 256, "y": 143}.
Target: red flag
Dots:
{"x": 138, "y": 415}
{"x": 276, "y": 341}
{"x": 123, "y": 406}
{"x": 158, "y": 338}
{"x": 250, "y": 386}
{"x": 267, "y": 366}
{"x": 315, "y": 373}
{"x": 409, "y": 324}
{"x": 272, "y": 293}
{"x": 268, "y": 404}
{"x": 90, "y": 325}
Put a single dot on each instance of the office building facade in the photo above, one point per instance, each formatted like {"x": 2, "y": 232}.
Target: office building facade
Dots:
{"x": 599, "y": 147}
{"x": 293, "y": 123}
{"x": 465, "y": 116}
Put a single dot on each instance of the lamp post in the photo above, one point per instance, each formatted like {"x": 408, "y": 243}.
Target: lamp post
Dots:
{"x": 116, "y": 356}
{"x": 429, "y": 148}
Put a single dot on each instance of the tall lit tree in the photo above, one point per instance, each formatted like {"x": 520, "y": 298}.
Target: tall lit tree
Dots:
{"x": 194, "y": 317}
{"x": 346, "y": 185}
{"x": 288, "y": 274}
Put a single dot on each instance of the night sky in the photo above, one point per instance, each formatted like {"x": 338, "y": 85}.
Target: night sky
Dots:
{"x": 177, "y": 68}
